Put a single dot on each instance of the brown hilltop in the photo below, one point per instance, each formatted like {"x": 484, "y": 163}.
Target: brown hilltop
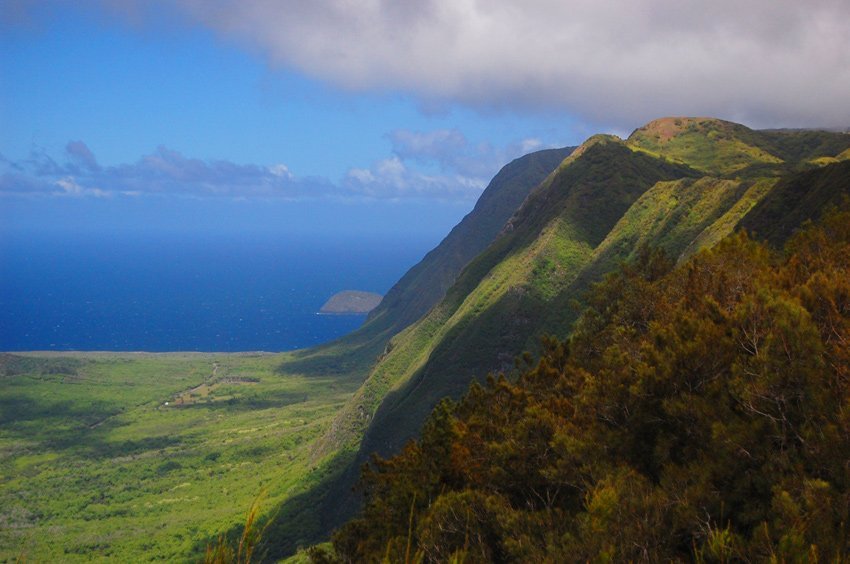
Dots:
{"x": 666, "y": 128}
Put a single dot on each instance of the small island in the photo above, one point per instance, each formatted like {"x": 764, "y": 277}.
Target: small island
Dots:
{"x": 350, "y": 302}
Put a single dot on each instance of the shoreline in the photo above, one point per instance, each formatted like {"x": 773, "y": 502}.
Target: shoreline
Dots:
{"x": 48, "y": 353}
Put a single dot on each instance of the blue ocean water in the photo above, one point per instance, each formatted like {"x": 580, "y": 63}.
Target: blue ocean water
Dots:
{"x": 179, "y": 292}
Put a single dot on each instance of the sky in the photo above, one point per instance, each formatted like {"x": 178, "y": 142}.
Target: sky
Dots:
{"x": 380, "y": 116}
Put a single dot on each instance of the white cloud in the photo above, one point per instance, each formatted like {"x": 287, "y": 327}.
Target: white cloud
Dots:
{"x": 529, "y": 145}
{"x": 70, "y": 187}
{"x": 464, "y": 168}
{"x": 440, "y": 165}
{"x": 281, "y": 170}
{"x": 361, "y": 175}
{"x": 163, "y": 172}
{"x": 452, "y": 153}
{"x": 616, "y": 62}
{"x": 392, "y": 179}
{"x": 169, "y": 173}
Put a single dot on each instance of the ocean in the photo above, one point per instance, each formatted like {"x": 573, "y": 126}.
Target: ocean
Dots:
{"x": 186, "y": 292}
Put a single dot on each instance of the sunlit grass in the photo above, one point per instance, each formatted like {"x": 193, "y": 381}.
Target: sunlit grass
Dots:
{"x": 122, "y": 456}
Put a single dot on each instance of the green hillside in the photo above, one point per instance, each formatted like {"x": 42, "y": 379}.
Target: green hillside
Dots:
{"x": 426, "y": 283}
{"x": 604, "y": 203}
{"x": 499, "y": 298}
{"x": 75, "y": 429}
{"x": 679, "y": 184}
{"x": 797, "y": 198}
{"x": 696, "y": 413}
{"x": 710, "y": 145}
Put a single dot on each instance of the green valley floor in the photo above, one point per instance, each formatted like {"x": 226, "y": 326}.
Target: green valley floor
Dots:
{"x": 118, "y": 455}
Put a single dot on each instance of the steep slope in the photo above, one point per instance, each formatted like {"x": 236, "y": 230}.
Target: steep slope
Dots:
{"x": 696, "y": 414}
{"x": 426, "y": 283}
{"x": 311, "y": 514}
{"x": 494, "y": 305}
{"x": 797, "y": 198}
{"x": 677, "y": 183}
{"x": 493, "y": 308}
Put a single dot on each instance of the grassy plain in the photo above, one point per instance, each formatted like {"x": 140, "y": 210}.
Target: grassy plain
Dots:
{"x": 135, "y": 456}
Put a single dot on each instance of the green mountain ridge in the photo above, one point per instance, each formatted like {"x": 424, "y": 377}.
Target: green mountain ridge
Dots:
{"x": 548, "y": 228}
{"x": 679, "y": 184}
{"x": 425, "y": 283}
{"x": 598, "y": 208}
{"x": 305, "y": 518}
{"x": 498, "y": 299}
{"x": 696, "y": 413}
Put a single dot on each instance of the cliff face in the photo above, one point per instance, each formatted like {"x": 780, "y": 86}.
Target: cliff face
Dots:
{"x": 424, "y": 285}
{"x": 353, "y": 356}
{"x": 678, "y": 184}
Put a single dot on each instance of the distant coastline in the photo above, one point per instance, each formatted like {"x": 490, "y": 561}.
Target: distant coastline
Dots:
{"x": 351, "y": 302}
{"x": 84, "y": 293}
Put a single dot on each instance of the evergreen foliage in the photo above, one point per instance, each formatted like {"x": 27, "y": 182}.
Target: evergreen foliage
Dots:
{"x": 700, "y": 412}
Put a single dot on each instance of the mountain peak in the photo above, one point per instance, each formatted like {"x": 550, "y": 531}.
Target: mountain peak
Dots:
{"x": 592, "y": 141}
{"x": 662, "y": 130}
{"x": 711, "y": 145}
{"x": 599, "y": 138}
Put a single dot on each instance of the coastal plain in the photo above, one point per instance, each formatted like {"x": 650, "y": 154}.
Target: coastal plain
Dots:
{"x": 122, "y": 454}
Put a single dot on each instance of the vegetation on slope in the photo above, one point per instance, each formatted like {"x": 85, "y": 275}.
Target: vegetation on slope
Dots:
{"x": 425, "y": 284}
{"x": 722, "y": 148}
{"x": 696, "y": 413}
{"x": 497, "y": 300}
{"x": 710, "y": 145}
{"x": 797, "y": 198}
{"x": 596, "y": 209}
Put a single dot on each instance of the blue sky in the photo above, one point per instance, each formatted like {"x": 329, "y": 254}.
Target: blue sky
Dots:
{"x": 383, "y": 116}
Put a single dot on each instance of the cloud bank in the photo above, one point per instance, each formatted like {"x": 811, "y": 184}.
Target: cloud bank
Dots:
{"x": 616, "y": 62}
{"x": 450, "y": 150}
{"x": 163, "y": 172}
{"x": 459, "y": 172}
